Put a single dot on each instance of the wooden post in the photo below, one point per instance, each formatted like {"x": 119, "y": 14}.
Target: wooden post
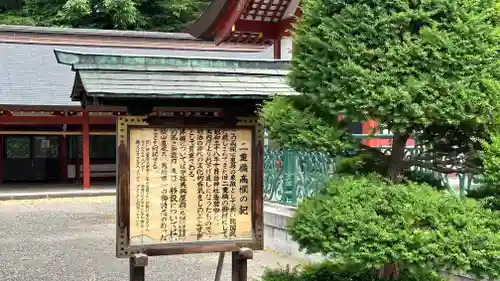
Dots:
{"x": 63, "y": 158}
{"x": 86, "y": 150}
{"x": 77, "y": 161}
{"x": 137, "y": 265}
{"x": 239, "y": 270}
{"x": 220, "y": 264}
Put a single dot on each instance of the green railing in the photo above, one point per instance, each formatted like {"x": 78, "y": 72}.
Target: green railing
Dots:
{"x": 290, "y": 175}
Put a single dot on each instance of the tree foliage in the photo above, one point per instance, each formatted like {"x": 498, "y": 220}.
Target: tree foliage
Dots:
{"x": 422, "y": 69}
{"x": 491, "y": 161}
{"x": 161, "y": 15}
{"x": 10, "y": 4}
{"x": 328, "y": 271}
{"x": 489, "y": 190}
{"x": 425, "y": 69}
{"x": 367, "y": 222}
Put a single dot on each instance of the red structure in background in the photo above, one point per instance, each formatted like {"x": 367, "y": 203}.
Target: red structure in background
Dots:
{"x": 44, "y": 137}
{"x": 12, "y": 123}
{"x": 370, "y": 127}
{"x": 259, "y": 22}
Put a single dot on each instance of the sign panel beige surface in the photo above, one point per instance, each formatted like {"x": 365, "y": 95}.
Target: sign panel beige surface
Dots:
{"x": 190, "y": 184}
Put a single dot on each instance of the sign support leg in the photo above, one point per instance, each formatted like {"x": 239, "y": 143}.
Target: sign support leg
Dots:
{"x": 239, "y": 264}
{"x": 137, "y": 265}
{"x": 218, "y": 272}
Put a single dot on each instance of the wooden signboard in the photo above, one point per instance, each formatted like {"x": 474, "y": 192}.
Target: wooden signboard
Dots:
{"x": 188, "y": 187}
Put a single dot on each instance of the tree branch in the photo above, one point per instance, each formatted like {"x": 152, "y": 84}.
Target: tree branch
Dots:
{"x": 375, "y": 152}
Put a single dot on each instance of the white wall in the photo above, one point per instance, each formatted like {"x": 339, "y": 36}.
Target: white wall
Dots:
{"x": 96, "y": 170}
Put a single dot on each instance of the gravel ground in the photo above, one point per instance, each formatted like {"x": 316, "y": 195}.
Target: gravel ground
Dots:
{"x": 74, "y": 239}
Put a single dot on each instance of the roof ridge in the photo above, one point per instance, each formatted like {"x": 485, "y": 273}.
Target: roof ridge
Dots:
{"x": 113, "y": 38}
{"x": 96, "y": 32}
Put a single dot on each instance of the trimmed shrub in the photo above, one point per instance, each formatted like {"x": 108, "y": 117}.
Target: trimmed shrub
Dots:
{"x": 328, "y": 271}
{"x": 364, "y": 223}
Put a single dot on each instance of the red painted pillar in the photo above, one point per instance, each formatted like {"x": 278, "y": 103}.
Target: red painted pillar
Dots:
{"x": 370, "y": 127}
{"x": 86, "y": 149}
{"x": 63, "y": 158}
{"x": 277, "y": 49}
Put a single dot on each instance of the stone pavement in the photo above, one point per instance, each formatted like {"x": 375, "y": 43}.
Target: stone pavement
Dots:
{"x": 44, "y": 191}
{"x": 73, "y": 239}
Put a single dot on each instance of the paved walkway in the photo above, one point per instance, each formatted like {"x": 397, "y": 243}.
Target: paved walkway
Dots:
{"x": 44, "y": 191}
{"x": 74, "y": 239}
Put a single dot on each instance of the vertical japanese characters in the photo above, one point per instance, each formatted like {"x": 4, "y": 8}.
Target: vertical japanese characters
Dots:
{"x": 244, "y": 182}
{"x": 165, "y": 186}
{"x": 190, "y": 184}
{"x": 142, "y": 177}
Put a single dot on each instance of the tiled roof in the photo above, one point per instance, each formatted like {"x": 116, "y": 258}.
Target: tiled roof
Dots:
{"x": 113, "y": 38}
{"x": 97, "y": 32}
{"x": 164, "y": 77}
{"x": 30, "y": 74}
{"x": 164, "y": 84}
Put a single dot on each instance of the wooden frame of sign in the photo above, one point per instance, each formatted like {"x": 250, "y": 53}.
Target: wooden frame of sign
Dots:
{"x": 172, "y": 199}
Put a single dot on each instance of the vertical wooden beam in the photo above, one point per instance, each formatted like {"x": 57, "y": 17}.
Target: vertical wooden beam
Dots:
{"x": 77, "y": 161}
{"x": 86, "y": 149}
{"x": 277, "y": 49}
{"x": 239, "y": 265}
{"x": 63, "y": 158}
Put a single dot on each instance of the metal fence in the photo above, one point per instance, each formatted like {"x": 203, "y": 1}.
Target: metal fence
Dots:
{"x": 290, "y": 175}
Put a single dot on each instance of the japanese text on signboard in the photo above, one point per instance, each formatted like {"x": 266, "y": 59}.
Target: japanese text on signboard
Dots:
{"x": 190, "y": 184}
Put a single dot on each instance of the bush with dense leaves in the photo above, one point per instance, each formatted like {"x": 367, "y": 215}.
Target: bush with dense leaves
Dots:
{"x": 328, "y": 271}
{"x": 489, "y": 190}
{"x": 367, "y": 223}
{"x": 422, "y": 69}
{"x": 491, "y": 161}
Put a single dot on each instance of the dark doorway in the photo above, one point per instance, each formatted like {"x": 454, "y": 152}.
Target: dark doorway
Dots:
{"x": 31, "y": 158}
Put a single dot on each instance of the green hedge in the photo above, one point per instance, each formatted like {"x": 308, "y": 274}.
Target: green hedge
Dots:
{"x": 327, "y": 271}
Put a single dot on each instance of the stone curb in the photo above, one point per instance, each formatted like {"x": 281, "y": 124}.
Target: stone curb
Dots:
{"x": 62, "y": 194}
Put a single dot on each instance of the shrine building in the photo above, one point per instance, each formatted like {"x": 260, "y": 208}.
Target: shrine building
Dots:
{"x": 262, "y": 22}
{"x": 46, "y": 136}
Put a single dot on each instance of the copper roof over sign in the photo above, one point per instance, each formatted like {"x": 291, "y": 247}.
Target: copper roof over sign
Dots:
{"x": 165, "y": 77}
{"x": 257, "y": 22}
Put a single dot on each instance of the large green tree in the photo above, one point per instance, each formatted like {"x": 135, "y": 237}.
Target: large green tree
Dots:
{"x": 423, "y": 69}
{"x": 426, "y": 69}
{"x": 161, "y": 15}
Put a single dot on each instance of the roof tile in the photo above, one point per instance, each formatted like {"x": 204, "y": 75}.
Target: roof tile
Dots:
{"x": 30, "y": 75}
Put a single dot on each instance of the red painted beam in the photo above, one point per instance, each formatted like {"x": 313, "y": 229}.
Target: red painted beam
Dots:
{"x": 256, "y": 26}
{"x": 102, "y": 120}
{"x": 236, "y": 9}
{"x": 269, "y": 30}
{"x": 56, "y": 120}
{"x": 224, "y": 18}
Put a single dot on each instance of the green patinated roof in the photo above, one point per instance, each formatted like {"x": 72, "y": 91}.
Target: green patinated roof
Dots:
{"x": 180, "y": 77}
